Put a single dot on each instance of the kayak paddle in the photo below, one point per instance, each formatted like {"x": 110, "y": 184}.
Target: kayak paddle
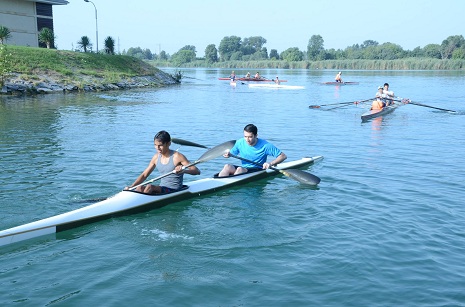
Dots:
{"x": 186, "y": 143}
{"x": 296, "y": 174}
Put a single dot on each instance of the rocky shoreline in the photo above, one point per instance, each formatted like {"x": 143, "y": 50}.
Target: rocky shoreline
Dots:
{"x": 18, "y": 84}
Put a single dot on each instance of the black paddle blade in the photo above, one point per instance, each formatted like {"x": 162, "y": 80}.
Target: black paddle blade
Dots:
{"x": 186, "y": 143}
{"x": 217, "y": 151}
{"x": 301, "y": 176}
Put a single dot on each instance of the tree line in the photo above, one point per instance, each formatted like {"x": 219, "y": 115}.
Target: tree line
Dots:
{"x": 234, "y": 48}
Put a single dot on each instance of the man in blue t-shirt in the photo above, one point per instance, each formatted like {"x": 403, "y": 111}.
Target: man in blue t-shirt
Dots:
{"x": 252, "y": 148}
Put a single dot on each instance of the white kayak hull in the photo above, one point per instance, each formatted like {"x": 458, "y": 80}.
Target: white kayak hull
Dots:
{"x": 129, "y": 202}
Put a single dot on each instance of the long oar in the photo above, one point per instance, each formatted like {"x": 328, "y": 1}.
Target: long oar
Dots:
{"x": 338, "y": 107}
{"x": 424, "y": 105}
{"x": 332, "y": 104}
{"x": 296, "y": 174}
{"x": 213, "y": 153}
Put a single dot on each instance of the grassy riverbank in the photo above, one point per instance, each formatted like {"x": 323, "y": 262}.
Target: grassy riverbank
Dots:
{"x": 29, "y": 63}
{"x": 27, "y": 70}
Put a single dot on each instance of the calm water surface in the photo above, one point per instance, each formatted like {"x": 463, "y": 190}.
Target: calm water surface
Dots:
{"x": 384, "y": 228}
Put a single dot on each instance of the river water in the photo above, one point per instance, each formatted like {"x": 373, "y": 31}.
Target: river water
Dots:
{"x": 385, "y": 227}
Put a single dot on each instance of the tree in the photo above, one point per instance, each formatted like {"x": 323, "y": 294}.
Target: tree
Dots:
{"x": 390, "y": 51}
{"x": 229, "y": 45}
{"x": 432, "y": 51}
{"x": 236, "y": 56}
{"x": 163, "y": 56}
{"x": 458, "y": 54}
{"x": 371, "y": 52}
{"x": 252, "y": 44}
{"x": 189, "y": 47}
{"x": 148, "y": 54}
{"x": 315, "y": 47}
{"x": 353, "y": 52}
{"x": 263, "y": 53}
{"x": 5, "y": 34}
{"x": 211, "y": 54}
{"x": 47, "y": 37}
{"x": 84, "y": 43}
{"x": 136, "y": 52}
{"x": 292, "y": 55}
{"x": 109, "y": 45}
{"x": 417, "y": 52}
{"x": 274, "y": 54}
{"x": 450, "y": 44}
{"x": 182, "y": 57}
{"x": 368, "y": 43}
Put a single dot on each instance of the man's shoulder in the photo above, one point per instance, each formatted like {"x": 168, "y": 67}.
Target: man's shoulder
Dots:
{"x": 264, "y": 143}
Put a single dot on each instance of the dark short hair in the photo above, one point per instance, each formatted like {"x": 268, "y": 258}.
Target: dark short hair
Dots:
{"x": 386, "y": 84}
{"x": 251, "y": 128}
{"x": 163, "y": 137}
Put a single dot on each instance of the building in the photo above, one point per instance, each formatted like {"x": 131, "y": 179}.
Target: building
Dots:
{"x": 25, "y": 18}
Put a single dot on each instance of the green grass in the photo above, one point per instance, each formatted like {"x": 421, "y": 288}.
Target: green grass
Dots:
{"x": 32, "y": 61}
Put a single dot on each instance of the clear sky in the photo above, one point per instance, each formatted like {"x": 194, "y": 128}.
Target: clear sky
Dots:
{"x": 171, "y": 24}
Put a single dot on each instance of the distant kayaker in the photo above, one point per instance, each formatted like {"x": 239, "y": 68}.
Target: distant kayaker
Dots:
{"x": 338, "y": 77}
{"x": 247, "y": 75}
{"x": 233, "y": 76}
{"x": 277, "y": 80}
{"x": 166, "y": 161}
{"x": 257, "y": 75}
{"x": 389, "y": 95}
{"x": 252, "y": 148}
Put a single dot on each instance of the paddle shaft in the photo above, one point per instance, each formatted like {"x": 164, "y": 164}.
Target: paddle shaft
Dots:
{"x": 253, "y": 162}
{"x": 164, "y": 175}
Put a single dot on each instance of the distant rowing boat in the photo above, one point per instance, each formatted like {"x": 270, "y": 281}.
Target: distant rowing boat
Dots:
{"x": 130, "y": 202}
{"x": 276, "y": 86}
{"x": 376, "y": 113}
{"x": 251, "y": 79}
{"x": 340, "y": 83}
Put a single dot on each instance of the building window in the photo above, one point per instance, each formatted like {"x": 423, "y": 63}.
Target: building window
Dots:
{"x": 43, "y": 9}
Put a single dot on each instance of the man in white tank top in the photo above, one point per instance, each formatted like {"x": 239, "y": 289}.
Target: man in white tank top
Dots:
{"x": 166, "y": 161}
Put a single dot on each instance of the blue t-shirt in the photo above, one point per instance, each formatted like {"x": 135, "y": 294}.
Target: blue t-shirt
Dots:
{"x": 257, "y": 153}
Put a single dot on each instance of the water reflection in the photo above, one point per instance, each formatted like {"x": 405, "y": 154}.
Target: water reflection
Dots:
{"x": 376, "y": 123}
